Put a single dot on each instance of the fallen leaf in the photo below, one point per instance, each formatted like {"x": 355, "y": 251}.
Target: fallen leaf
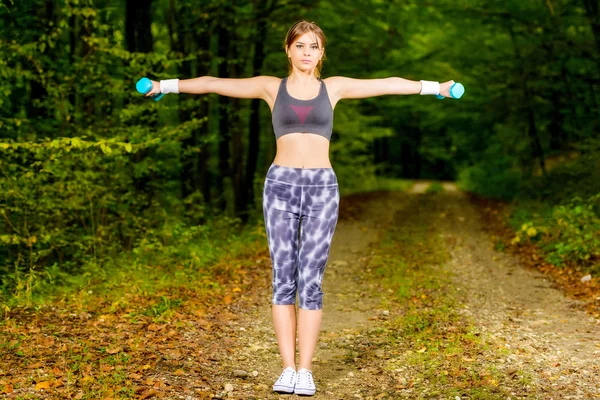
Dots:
{"x": 8, "y": 389}
{"x": 87, "y": 380}
{"x": 173, "y": 355}
{"x": 114, "y": 350}
{"x": 147, "y": 394}
{"x": 179, "y": 372}
{"x": 468, "y": 359}
{"x": 154, "y": 327}
{"x": 422, "y": 350}
{"x": 42, "y": 385}
{"x": 227, "y": 299}
{"x": 135, "y": 376}
{"x": 58, "y": 383}
{"x": 36, "y": 365}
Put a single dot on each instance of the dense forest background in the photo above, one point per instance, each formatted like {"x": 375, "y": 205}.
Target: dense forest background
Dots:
{"x": 94, "y": 177}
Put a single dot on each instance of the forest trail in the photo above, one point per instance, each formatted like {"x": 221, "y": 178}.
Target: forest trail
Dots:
{"x": 554, "y": 346}
{"x": 511, "y": 334}
{"x": 549, "y": 335}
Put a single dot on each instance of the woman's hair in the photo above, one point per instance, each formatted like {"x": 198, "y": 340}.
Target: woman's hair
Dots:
{"x": 299, "y": 29}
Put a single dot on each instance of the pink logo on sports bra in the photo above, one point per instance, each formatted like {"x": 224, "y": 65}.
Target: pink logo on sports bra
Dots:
{"x": 302, "y": 111}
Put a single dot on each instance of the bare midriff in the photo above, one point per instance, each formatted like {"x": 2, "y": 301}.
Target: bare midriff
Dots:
{"x": 302, "y": 150}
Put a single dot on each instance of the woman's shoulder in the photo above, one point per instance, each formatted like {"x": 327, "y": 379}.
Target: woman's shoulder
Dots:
{"x": 270, "y": 82}
{"x": 334, "y": 79}
{"x": 334, "y": 83}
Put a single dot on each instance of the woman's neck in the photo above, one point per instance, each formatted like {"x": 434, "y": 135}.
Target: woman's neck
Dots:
{"x": 302, "y": 78}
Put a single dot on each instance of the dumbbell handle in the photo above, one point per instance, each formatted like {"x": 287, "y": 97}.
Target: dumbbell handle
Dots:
{"x": 144, "y": 85}
{"x": 456, "y": 91}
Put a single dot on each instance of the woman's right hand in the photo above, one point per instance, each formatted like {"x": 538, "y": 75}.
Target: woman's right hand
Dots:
{"x": 155, "y": 89}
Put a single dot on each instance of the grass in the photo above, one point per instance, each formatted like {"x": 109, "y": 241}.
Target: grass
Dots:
{"x": 435, "y": 187}
{"x": 198, "y": 259}
{"x": 375, "y": 185}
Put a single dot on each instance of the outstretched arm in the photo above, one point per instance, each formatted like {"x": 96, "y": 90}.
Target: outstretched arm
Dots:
{"x": 349, "y": 88}
{"x": 244, "y": 88}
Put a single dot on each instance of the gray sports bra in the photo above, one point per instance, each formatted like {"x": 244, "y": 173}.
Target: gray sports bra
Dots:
{"x": 294, "y": 115}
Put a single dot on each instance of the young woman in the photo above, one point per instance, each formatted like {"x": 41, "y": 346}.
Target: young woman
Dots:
{"x": 300, "y": 196}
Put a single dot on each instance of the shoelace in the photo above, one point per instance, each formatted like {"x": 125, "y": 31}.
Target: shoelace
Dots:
{"x": 291, "y": 378}
{"x": 308, "y": 376}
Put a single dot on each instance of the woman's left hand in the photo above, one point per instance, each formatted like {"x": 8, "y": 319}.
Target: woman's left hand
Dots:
{"x": 445, "y": 88}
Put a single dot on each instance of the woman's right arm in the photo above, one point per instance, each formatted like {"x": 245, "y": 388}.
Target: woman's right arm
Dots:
{"x": 258, "y": 87}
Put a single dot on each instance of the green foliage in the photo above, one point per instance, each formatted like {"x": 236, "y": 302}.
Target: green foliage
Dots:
{"x": 566, "y": 233}
{"x": 164, "y": 305}
{"x": 579, "y": 177}
{"x": 494, "y": 176}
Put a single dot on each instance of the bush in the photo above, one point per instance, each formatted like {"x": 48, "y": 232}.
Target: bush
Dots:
{"x": 493, "y": 178}
{"x": 578, "y": 178}
{"x": 568, "y": 233}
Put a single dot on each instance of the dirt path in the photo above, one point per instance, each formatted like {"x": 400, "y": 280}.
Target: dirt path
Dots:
{"x": 555, "y": 346}
{"x": 547, "y": 334}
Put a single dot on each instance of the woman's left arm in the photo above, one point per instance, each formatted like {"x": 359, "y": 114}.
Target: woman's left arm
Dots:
{"x": 349, "y": 88}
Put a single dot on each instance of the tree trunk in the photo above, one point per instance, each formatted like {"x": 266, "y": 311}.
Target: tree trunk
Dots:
{"x": 536, "y": 147}
{"x": 224, "y": 132}
{"x": 37, "y": 92}
{"x": 138, "y": 22}
{"x": 202, "y": 157}
{"x": 138, "y": 38}
{"x": 89, "y": 99}
{"x": 263, "y": 11}
{"x": 238, "y": 160}
{"x": 593, "y": 14}
{"x": 73, "y": 39}
{"x": 411, "y": 159}
{"x": 181, "y": 46}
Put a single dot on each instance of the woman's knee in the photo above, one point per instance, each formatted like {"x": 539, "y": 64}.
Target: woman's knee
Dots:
{"x": 284, "y": 293}
{"x": 310, "y": 293}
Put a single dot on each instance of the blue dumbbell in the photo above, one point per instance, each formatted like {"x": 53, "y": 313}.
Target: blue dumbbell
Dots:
{"x": 144, "y": 85}
{"x": 456, "y": 91}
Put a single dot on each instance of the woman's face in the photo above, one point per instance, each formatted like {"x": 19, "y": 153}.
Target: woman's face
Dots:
{"x": 305, "y": 52}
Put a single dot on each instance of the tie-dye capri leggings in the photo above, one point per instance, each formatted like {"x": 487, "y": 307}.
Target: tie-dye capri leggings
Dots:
{"x": 300, "y": 208}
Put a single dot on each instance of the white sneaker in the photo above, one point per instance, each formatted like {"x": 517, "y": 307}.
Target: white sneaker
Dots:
{"x": 304, "y": 383}
{"x": 286, "y": 381}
